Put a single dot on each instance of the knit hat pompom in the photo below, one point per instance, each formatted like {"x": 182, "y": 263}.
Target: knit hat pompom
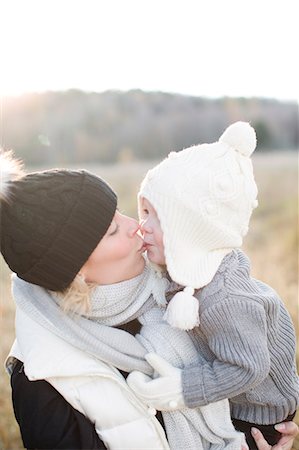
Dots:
{"x": 182, "y": 310}
{"x": 10, "y": 170}
{"x": 240, "y": 136}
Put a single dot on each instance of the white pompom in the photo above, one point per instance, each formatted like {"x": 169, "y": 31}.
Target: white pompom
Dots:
{"x": 182, "y": 310}
{"x": 10, "y": 169}
{"x": 240, "y": 136}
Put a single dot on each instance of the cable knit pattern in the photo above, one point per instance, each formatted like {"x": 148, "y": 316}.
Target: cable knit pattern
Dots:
{"x": 248, "y": 339}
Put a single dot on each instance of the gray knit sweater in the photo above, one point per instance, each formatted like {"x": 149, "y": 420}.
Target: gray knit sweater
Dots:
{"x": 248, "y": 340}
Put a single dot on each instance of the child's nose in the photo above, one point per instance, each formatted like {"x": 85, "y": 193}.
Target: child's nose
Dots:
{"x": 141, "y": 225}
{"x": 144, "y": 227}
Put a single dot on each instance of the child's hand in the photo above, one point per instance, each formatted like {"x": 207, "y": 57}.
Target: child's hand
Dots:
{"x": 289, "y": 431}
{"x": 164, "y": 393}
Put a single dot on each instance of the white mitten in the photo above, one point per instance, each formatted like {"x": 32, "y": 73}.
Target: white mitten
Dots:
{"x": 164, "y": 393}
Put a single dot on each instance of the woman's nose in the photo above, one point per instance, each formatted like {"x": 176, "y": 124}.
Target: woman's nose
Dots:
{"x": 133, "y": 228}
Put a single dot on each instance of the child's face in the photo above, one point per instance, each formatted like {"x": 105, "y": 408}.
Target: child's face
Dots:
{"x": 152, "y": 233}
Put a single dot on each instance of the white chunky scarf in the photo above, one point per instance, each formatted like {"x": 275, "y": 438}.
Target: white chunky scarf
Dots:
{"x": 207, "y": 427}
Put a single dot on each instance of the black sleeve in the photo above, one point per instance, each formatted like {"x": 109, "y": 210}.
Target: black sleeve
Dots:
{"x": 46, "y": 419}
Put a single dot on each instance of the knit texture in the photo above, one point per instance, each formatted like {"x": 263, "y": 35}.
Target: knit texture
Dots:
{"x": 208, "y": 427}
{"x": 52, "y": 222}
{"x": 205, "y": 427}
{"x": 248, "y": 340}
{"x": 94, "y": 334}
{"x": 204, "y": 196}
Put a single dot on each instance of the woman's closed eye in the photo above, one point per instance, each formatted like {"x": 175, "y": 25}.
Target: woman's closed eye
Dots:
{"x": 115, "y": 230}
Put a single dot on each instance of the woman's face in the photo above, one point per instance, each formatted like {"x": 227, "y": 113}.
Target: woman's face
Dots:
{"x": 152, "y": 233}
{"x": 118, "y": 256}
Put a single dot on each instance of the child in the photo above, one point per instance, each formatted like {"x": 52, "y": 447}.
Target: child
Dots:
{"x": 195, "y": 208}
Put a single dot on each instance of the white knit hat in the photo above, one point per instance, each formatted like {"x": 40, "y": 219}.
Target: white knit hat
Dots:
{"x": 204, "y": 196}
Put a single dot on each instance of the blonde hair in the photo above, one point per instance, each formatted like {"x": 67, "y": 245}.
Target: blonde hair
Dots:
{"x": 76, "y": 298}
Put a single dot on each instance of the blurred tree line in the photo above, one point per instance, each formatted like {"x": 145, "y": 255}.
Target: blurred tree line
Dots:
{"x": 74, "y": 126}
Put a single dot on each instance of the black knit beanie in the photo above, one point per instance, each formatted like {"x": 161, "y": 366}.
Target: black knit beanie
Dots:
{"x": 51, "y": 222}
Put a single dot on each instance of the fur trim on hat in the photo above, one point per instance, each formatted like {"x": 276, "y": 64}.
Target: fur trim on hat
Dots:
{"x": 10, "y": 169}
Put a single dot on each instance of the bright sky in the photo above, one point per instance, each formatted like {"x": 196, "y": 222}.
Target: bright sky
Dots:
{"x": 197, "y": 47}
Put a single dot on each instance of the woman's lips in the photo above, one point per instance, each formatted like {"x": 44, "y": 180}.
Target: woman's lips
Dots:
{"x": 142, "y": 248}
{"x": 145, "y": 246}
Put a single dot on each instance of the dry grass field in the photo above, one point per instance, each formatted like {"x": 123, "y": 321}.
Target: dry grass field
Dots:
{"x": 272, "y": 245}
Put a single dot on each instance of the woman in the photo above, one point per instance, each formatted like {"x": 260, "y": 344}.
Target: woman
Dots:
{"x": 53, "y": 225}
{"x": 71, "y": 217}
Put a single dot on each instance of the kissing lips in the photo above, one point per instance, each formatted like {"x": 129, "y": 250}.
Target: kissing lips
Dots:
{"x": 142, "y": 248}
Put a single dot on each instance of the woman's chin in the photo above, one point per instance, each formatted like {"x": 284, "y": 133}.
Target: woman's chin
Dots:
{"x": 138, "y": 268}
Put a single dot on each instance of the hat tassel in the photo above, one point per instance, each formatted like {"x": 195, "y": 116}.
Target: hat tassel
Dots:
{"x": 182, "y": 310}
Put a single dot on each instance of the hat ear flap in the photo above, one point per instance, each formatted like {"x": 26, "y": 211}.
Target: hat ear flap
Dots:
{"x": 241, "y": 137}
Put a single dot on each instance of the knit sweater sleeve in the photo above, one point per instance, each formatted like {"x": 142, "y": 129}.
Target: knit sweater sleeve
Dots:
{"x": 236, "y": 333}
